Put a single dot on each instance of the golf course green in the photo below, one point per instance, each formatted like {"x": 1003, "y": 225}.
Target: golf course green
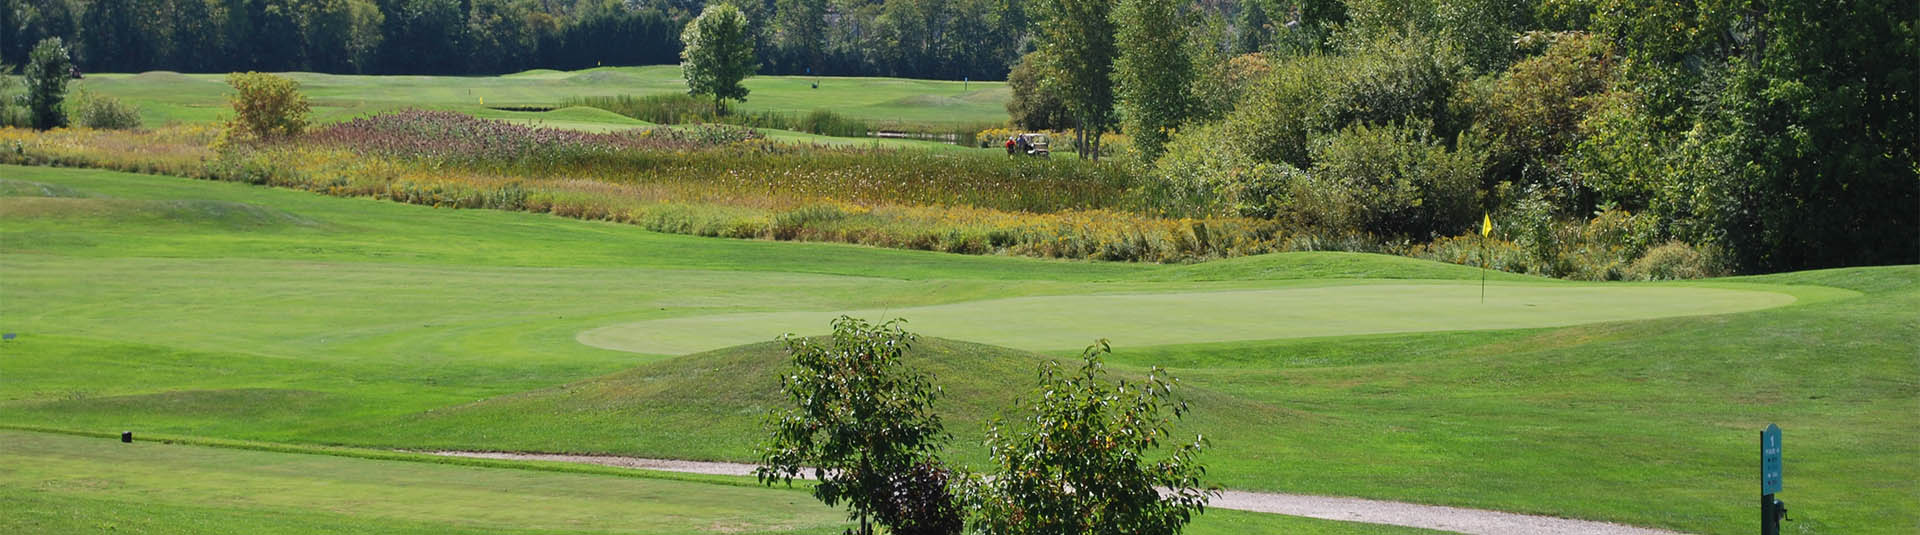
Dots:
{"x": 289, "y": 343}
{"x": 1059, "y": 323}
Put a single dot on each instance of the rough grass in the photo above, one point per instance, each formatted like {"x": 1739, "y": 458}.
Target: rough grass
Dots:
{"x": 389, "y": 325}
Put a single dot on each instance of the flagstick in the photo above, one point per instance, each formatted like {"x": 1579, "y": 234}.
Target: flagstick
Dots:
{"x": 1483, "y": 270}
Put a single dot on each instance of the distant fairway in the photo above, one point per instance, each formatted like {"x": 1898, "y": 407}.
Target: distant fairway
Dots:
{"x": 1054, "y": 323}
{"x": 197, "y": 98}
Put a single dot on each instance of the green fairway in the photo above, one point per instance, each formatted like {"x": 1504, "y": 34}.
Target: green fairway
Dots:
{"x": 213, "y": 309}
{"x": 65, "y": 484}
{"x": 1061, "y": 323}
{"x": 324, "y": 489}
{"x": 193, "y": 98}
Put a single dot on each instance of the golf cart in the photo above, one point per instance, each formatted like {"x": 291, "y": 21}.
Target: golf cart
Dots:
{"x": 1033, "y": 144}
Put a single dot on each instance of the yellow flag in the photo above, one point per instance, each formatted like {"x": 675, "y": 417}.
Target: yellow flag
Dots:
{"x": 1486, "y": 224}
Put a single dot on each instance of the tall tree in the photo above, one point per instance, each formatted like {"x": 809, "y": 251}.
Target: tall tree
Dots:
{"x": 48, "y": 69}
{"x": 498, "y": 37}
{"x": 113, "y": 38}
{"x": 328, "y": 30}
{"x": 196, "y": 36}
{"x": 801, "y": 30}
{"x": 717, "y": 54}
{"x": 1154, "y": 72}
{"x": 364, "y": 37}
{"x": 236, "y": 36}
{"x": 280, "y": 35}
{"x": 1077, "y": 36}
{"x": 33, "y": 22}
{"x": 428, "y": 36}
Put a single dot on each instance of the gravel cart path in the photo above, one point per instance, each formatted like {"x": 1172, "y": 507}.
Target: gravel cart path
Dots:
{"x": 1455, "y": 519}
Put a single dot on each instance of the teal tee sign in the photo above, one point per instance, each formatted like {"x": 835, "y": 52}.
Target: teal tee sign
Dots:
{"x": 1770, "y": 460}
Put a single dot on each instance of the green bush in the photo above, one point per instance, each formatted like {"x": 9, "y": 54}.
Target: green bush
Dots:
{"x": 47, "y": 72}
{"x": 1388, "y": 181}
{"x": 107, "y": 113}
{"x": 266, "y": 107}
{"x": 1202, "y": 174}
{"x": 1090, "y": 454}
{"x": 1248, "y": 160}
{"x": 1676, "y": 260}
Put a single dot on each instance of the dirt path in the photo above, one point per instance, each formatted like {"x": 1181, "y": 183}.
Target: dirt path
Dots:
{"x": 1455, "y": 519}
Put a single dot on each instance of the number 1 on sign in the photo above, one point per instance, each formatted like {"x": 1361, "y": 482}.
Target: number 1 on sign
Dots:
{"x": 1770, "y": 469}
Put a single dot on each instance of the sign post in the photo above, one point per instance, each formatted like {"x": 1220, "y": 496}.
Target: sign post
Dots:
{"x": 1771, "y": 510}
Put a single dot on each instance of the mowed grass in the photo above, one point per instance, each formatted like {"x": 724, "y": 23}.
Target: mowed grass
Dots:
{"x": 68, "y": 484}
{"x": 213, "y": 309}
{"x": 164, "y": 97}
{"x": 1055, "y": 323}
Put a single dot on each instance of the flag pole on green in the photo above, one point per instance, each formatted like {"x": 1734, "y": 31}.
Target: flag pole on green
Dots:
{"x": 1486, "y": 229}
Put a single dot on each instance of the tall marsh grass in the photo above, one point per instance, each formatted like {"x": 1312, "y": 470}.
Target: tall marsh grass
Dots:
{"x": 739, "y": 188}
{"x": 676, "y": 109}
{"x": 680, "y": 109}
{"x": 729, "y": 182}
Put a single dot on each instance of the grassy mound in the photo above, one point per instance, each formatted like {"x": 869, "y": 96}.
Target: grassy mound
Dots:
{"x": 710, "y": 405}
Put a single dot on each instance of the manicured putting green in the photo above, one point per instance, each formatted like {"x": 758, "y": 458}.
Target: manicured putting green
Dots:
{"x": 1054, "y": 323}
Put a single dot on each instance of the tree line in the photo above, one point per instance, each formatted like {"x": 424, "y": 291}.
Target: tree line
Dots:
{"x": 1604, "y": 136}
{"x": 947, "y": 39}
{"x": 344, "y": 36}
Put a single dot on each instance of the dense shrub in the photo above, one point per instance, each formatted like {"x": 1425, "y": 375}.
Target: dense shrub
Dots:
{"x": 48, "y": 69}
{"x": 1676, "y": 260}
{"x": 1081, "y": 457}
{"x": 266, "y": 107}
{"x": 1237, "y": 164}
{"x": 1223, "y": 84}
{"x": 107, "y": 113}
{"x": 861, "y": 423}
{"x": 1202, "y": 174}
{"x": 1388, "y": 181}
{"x": 921, "y": 502}
{"x": 1532, "y": 238}
{"x": 1533, "y": 114}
